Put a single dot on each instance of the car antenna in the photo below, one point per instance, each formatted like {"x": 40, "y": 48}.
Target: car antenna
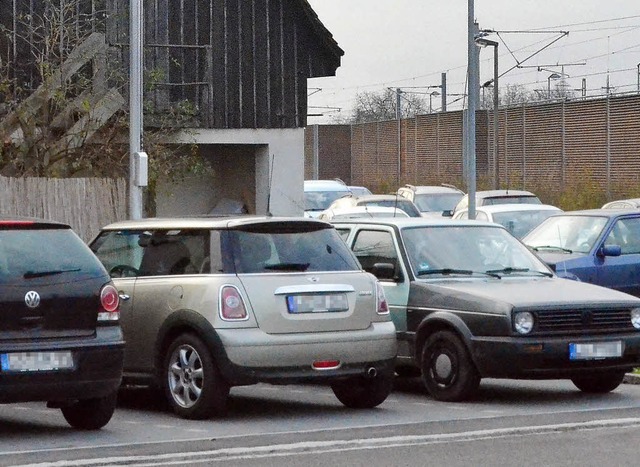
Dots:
{"x": 269, "y": 187}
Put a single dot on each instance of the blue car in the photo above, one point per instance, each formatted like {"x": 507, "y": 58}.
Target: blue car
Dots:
{"x": 600, "y": 246}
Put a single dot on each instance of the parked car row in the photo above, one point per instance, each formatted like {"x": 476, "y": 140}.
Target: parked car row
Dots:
{"x": 195, "y": 306}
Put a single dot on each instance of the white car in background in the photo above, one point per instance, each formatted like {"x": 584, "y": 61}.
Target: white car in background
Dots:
{"x": 319, "y": 194}
{"x": 361, "y": 211}
{"x": 519, "y": 219}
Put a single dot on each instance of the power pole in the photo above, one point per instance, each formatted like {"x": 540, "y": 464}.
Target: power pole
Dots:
{"x": 137, "y": 159}
{"x": 473, "y": 85}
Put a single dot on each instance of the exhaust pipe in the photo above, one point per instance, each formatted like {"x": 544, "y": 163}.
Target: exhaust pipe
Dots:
{"x": 371, "y": 372}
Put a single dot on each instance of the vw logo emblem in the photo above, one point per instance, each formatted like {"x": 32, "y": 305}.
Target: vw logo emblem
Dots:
{"x": 32, "y": 299}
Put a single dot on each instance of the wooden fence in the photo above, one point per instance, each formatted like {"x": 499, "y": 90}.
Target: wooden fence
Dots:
{"x": 87, "y": 204}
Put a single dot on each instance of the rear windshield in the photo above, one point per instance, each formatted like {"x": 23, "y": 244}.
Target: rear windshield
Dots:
{"x": 289, "y": 250}
{"x": 40, "y": 256}
{"x": 524, "y": 199}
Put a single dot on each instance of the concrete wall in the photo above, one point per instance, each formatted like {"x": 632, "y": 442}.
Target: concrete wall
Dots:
{"x": 242, "y": 161}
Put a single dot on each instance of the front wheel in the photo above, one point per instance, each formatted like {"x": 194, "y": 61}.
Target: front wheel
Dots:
{"x": 363, "y": 392}
{"x": 90, "y": 414}
{"x": 599, "y": 383}
{"x": 448, "y": 372}
{"x": 194, "y": 386}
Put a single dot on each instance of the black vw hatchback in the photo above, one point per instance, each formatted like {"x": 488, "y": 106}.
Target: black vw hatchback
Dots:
{"x": 60, "y": 337}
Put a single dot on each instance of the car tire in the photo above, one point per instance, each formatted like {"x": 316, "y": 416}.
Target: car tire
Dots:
{"x": 90, "y": 414}
{"x": 448, "y": 372}
{"x": 363, "y": 392}
{"x": 194, "y": 387}
{"x": 599, "y": 383}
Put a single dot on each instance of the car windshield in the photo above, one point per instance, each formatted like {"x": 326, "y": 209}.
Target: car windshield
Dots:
{"x": 290, "y": 250}
{"x": 320, "y": 200}
{"x": 468, "y": 250}
{"x": 576, "y": 234}
{"x": 428, "y": 202}
{"x": 519, "y": 223}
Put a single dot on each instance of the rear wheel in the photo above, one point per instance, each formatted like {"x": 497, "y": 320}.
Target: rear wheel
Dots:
{"x": 90, "y": 414}
{"x": 363, "y": 392}
{"x": 599, "y": 383}
{"x": 447, "y": 370}
{"x": 194, "y": 386}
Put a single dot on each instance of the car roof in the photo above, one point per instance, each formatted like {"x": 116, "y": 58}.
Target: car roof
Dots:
{"x": 495, "y": 208}
{"x": 422, "y": 189}
{"x": 502, "y": 193}
{"x": 381, "y": 198}
{"x": 325, "y": 185}
{"x": 635, "y": 201}
{"x": 369, "y": 209}
{"x": 600, "y": 212}
{"x": 407, "y": 222}
{"x": 204, "y": 222}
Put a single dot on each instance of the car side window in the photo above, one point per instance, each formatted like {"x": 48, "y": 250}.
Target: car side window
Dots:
{"x": 343, "y": 232}
{"x": 626, "y": 233}
{"x": 375, "y": 246}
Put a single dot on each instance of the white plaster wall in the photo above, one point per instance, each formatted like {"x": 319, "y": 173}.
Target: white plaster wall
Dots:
{"x": 279, "y": 149}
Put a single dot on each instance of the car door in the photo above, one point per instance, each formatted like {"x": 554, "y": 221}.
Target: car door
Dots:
{"x": 621, "y": 272}
{"x": 373, "y": 245}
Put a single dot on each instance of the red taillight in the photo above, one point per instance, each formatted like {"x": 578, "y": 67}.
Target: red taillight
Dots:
{"x": 110, "y": 304}
{"x": 231, "y": 305}
{"x": 325, "y": 364}
{"x": 383, "y": 306}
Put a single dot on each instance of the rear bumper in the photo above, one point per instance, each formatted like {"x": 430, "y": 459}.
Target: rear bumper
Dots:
{"x": 97, "y": 370}
{"x": 253, "y": 355}
{"x": 548, "y": 357}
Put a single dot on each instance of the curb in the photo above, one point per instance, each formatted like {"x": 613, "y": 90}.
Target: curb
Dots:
{"x": 631, "y": 378}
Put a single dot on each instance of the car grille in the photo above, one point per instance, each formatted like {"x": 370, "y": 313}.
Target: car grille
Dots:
{"x": 583, "y": 320}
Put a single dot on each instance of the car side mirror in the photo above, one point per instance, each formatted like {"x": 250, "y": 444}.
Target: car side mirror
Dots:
{"x": 610, "y": 250}
{"x": 383, "y": 271}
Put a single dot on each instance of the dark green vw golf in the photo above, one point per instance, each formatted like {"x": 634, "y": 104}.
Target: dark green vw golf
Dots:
{"x": 470, "y": 301}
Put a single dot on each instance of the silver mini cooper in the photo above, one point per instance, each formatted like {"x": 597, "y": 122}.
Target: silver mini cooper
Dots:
{"x": 211, "y": 303}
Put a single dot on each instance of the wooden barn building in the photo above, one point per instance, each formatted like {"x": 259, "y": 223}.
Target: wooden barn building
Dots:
{"x": 240, "y": 65}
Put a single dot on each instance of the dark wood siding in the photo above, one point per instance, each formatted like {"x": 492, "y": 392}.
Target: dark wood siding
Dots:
{"x": 240, "y": 63}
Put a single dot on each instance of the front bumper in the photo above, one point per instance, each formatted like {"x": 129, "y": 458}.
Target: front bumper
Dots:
{"x": 97, "y": 370}
{"x": 548, "y": 357}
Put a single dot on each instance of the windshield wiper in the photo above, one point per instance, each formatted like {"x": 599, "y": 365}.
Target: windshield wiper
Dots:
{"x": 451, "y": 271}
{"x": 551, "y": 247}
{"x": 510, "y": 270}
{"x": 32, "y": 274}
{"x": 287, "y": 266}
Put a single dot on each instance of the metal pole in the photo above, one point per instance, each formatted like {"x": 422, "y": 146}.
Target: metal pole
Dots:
{"x": 398, "y": 118}
{"x": 443, "y": 87}
{"x": 495, "y": 117}
{"x": 135, "y": 105}
{"x": 473, "y": 83}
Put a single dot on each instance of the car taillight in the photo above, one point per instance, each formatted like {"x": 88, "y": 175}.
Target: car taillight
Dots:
{"x": 231, "y": 304}
{"x": 383, "y": 306}
{"x": 109, "y": 304}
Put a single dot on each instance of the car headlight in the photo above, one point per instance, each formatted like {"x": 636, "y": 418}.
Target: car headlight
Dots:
{"x": 635, "y": 318}
{"x": 523, "y": 322}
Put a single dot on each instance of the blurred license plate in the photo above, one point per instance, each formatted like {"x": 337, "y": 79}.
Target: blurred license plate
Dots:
{"x": 317, "y": 303}
{"x": 36, "y": 361}
{"x": 595, "y": 350}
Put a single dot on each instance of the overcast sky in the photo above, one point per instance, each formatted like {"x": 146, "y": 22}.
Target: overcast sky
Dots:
{"x": 409, "y": 43}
